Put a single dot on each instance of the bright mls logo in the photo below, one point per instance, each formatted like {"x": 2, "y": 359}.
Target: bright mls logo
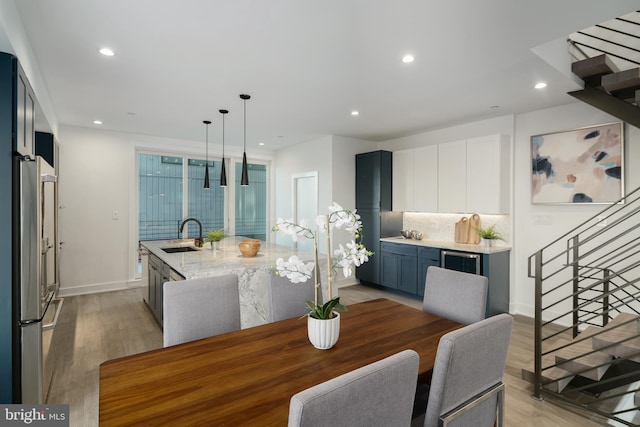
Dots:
{"x": 36, "y": 415}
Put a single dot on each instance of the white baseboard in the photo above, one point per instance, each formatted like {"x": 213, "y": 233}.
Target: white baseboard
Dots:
{"x": 69, "y": 291}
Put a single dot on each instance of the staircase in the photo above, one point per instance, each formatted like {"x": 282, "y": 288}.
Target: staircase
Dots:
{"x": 587, "y": 315}
{"x": 606, "y": 57}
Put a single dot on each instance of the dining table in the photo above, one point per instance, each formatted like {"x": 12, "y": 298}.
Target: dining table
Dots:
{"x": 247, "y": 377}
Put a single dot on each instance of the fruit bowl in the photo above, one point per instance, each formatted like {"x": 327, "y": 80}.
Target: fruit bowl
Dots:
{"x": 249, "y": 247}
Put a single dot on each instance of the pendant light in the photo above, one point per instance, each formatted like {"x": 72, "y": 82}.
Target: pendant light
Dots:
{"x": 223, "y": 171}
{"x": 206, "y": 156}
{"x": 245, "y": 174}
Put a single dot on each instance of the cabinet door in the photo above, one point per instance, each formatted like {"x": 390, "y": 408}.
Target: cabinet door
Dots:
{"x": 25, "y": 117}
{"x": 425, "y": 179}
{"x": 370, "y": 271}
{"x": 403, "y": 180}
{"x": 151, "y": 296}
{"x": 427, "y": 257}
{"x": 487, "y": 175}
{"x": 452, "y": 177}
{"x": 408, "y": 277}
{"x": 368, "y": 180}
{"x": 373, "y": 180}
{"x": 389, "y": 270}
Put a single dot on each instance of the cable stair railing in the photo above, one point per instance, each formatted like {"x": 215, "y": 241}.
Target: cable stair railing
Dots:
{"x": 587, "y": 315}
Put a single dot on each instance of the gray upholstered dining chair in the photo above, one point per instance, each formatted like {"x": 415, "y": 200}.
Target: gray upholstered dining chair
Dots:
{"x": 458, "y": 296}
{"x": 378, "y": 394}
{"x": 288, "y": 299}
{"x": 200, "y": 308}
{"x": 466, "y": 386}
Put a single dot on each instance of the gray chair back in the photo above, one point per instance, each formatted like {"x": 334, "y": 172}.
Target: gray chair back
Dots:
{"x": 379, "y": 394}
{"x": 458, "y": 296}
{"x": 468, "y": 374}
{"x": 200, "y": 308}
{"x": 288, "y": 299}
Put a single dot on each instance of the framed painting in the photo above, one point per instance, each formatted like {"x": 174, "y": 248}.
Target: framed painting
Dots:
{"x": 584, "y": 165}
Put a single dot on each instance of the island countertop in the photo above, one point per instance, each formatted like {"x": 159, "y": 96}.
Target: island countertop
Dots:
{"x": 252, "y": 272}
{"x": 206, "y": 262}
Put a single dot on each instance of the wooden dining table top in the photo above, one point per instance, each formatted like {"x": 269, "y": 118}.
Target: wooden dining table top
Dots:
{"x": 247, "y": 377}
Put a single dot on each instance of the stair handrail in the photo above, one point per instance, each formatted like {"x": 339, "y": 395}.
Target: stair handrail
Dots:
{"x": 536, "y": 263}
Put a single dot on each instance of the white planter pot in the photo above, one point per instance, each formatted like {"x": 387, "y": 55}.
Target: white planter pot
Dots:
{"x": 324, "y": 333}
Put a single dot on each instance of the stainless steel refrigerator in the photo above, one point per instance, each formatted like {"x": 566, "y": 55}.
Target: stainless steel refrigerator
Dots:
{"x": 35, "y": 272}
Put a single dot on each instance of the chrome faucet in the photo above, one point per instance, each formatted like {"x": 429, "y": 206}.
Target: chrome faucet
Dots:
{"x": 196, "y": 242}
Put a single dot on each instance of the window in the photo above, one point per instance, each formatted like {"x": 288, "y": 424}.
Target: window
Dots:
{"x": 159, "y": 196}
{"x": 251, "y": 202}
{"x": 207, "y": 205}
{"x": 164, "y": 200}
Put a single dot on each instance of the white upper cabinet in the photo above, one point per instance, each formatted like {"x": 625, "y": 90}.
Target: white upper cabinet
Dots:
{"x": 488, "y": 175}
{"x": 468, "y": 176}
{"x": 425, "y": 179}
{"x": 452, "y": 176}
{"x": 402, "y": 180}
{"x": 415, "y": 179}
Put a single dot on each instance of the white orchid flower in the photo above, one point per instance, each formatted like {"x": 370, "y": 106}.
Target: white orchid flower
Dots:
{"x": 294, "y": 269}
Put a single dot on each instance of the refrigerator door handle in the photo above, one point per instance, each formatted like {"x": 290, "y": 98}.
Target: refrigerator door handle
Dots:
{"x": 54, "y": 322}
{"x": 38, "y": 320}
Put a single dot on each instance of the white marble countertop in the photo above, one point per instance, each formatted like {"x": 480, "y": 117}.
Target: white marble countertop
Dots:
{"x": 480, "y": 248}
{"x": 252, "y": 272}
{"x": 207, "y": 262}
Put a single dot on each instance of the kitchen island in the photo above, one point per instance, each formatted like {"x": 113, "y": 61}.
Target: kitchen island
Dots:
{"x": 252, "y": 272}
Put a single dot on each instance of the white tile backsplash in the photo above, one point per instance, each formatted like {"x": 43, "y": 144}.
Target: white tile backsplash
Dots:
{"x": 442, "y": 226}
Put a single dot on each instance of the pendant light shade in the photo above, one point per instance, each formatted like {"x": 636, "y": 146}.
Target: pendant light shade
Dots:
{"x": 206, "y": 156}
{"x": 223, "y": 171}
{"x": 245, "y": 173}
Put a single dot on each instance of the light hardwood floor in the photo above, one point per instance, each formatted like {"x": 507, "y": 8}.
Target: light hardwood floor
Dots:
{"x": 95, "y": 328}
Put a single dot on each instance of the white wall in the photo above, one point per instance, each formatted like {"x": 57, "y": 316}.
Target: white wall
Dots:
{"x": 333, "y": 157}
{"x": 97, "y": 177}
{"x": 530, "y": 237}
{"x": 310, "y": 156}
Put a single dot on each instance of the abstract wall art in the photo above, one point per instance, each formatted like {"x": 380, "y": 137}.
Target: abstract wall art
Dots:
{"x": 578, "y": 166}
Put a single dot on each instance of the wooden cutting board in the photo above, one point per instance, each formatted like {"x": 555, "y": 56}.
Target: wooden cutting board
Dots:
{"x": 461, "y": 230}
{"x": 473, "y": 237}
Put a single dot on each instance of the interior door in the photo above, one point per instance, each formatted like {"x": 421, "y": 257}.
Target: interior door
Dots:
{"x": 305, "y": 203}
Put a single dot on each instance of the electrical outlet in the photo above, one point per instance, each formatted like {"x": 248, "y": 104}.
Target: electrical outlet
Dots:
{"x": 115, "y": 215}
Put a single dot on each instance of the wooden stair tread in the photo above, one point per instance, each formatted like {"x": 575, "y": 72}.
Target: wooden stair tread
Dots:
{"x": 592, "y": 67}
{"x": 580, "y": 365}
{"x": 552, "y": 374}
{"x": 614, "y": 333}
{"x": 622, "y": 81}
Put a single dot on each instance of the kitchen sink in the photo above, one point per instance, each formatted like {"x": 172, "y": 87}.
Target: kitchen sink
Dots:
{"x": 179, "y": 249}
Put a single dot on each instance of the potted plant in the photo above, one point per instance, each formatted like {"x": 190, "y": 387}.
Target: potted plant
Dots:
{"x": 489, "y": 234}
{"x": 214, "y": 236}
{"x": 324, "y": 319}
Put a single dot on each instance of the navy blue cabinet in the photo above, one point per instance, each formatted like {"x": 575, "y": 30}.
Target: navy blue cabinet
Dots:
{"x": 373, "y": 180}
{"x": 427, "y": 257}
{"x": 373, "y": 203}
{"x": 399, "y": 266}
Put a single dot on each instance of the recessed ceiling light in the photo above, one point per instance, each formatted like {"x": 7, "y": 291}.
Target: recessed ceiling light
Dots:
{"x": 408, "y": 58}
{"x": 355, "y": 113}
{"x": 97, "y": 122}
{"x": 540, "y": 85}
{"x": 261, "y": 143}
{"x": 106, "y": 51}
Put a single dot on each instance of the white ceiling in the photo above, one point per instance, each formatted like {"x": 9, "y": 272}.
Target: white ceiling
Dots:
{"x": 305, "y": 63}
